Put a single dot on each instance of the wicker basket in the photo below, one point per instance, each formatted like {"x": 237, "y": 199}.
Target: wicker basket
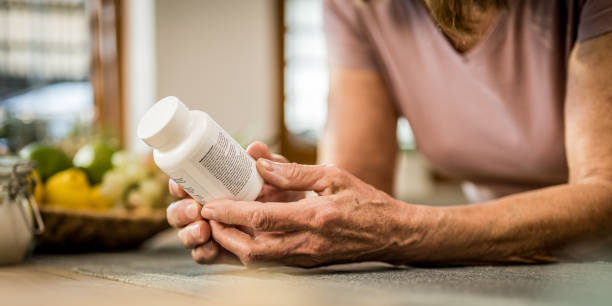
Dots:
{"x": 71, "y": 231}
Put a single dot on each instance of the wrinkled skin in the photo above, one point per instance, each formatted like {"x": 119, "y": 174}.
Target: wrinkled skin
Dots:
{"x": 347, "y": 221}
{"x": 341, "y": 224}
{"x": 195, "y": 232}
{"x": 350, "y": 220}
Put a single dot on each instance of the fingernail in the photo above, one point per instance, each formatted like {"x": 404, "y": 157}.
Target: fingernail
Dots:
{"x": 193, "y": 212}
{"x": 266, "y": 164}
{"x": 208, "y": 213}
{"x": 173, "y": 186}
{"x": 194, "y": 230}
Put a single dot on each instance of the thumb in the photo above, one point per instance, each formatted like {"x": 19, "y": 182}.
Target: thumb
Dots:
{"x": 292, "y": 176}
{"x": 258, "y": 150}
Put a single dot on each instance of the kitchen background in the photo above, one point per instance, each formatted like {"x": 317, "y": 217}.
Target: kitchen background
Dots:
{"x": 75, "y": 73}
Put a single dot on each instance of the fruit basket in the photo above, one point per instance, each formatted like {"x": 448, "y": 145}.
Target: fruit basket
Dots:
{"x": 101, "y": 199}
{"x": 71, "y": 231}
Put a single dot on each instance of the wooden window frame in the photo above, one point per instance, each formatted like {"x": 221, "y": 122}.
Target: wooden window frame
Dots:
{"x": 291, "y": 145}
{"x": 106, "y": 23}
{"x": 106, "y": 65}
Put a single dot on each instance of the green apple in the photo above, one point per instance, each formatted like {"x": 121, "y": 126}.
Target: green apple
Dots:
{"x": 95, "y": 159}
{"x": 48, "y": 160}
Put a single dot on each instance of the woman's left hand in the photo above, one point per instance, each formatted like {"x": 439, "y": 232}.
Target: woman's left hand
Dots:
{"x": 348, "y": 221}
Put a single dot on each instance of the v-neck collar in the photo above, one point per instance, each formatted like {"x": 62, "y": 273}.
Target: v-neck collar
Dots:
{"x": 490, "y": 39}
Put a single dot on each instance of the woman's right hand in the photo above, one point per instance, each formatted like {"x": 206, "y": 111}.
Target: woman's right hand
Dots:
{"x": 195, "y": 231}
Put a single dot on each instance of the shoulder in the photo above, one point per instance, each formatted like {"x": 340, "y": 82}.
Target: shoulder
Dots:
{"x": 373, "y": 12}
{"x": 347, "y": 9}
{"x": 563, "y": 8}
{"x": 576, "y": 20}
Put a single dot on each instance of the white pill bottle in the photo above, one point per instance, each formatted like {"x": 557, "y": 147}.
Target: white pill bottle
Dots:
{"x": 198, "y": 154}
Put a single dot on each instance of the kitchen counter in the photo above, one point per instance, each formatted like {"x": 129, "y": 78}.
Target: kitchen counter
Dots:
{"x": 163, "y": 273}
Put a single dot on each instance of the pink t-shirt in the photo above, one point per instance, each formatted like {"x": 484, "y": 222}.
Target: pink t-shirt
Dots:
{"x": 492, "y": 116}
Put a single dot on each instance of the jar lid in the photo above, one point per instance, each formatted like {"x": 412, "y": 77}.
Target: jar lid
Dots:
{"x": 15, "y": 175}
{"x": 15, "y": 180}
{"x": 14, "y": 165}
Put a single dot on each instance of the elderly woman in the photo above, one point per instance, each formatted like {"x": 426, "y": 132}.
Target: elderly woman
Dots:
{"x": 514, "y": 97}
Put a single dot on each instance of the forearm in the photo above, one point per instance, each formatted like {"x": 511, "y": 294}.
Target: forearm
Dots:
{"x": 360, "y": 131}
{"x": 538, "y": 226}
{"x": 377, "y": 170}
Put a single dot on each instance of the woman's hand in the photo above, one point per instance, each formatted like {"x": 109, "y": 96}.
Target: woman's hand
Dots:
{"x": 349, "y": 220}
{"x": 195, "y": 230}
{"x": 269, "y": 192}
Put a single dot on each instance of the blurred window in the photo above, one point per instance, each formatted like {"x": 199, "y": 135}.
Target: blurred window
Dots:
{"x": 306, "y": 75}
{"x": 306, "y": 78}
{"x": 44, "y": 70}
{"x": 42, "y": 42}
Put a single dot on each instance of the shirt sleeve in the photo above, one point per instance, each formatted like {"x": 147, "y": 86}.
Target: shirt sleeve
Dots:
{"x": 347, "y": 42}
{"x": 595, "y": 19}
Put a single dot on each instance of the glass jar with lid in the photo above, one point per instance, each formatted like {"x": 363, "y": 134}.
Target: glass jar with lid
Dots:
{"x": 20, "y": 218}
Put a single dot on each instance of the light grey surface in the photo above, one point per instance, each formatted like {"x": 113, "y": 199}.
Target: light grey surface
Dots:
{"x": 169, "y": 267}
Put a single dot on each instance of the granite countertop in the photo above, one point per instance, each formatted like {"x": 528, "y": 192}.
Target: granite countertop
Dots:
{"x": 165, "y": 266}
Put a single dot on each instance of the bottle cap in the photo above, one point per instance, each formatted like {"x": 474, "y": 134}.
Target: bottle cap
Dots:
{"x": 164, "y": 123}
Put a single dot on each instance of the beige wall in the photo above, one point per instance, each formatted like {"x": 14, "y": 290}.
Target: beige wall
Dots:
{"x": 219, "y": 56}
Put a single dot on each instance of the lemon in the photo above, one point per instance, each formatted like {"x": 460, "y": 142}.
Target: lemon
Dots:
{"x": 48, "y": 159}
{"x": 69, "y": 189}
{"x": 98, "y": 201}
{"x": 95, "y": 159}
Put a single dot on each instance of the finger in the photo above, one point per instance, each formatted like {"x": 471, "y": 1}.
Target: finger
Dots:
{"x": 183, "y": 212}
{"x": 270, "y": 193}
{"x": 278, "y": 158}
{"x": 266, "y": 248}
{"x": 292, "y": 176}
{"x": 176, "y": 190}
{"x": 232, "y": 239}
{"x": 259, "y": 150}
{"x": 211, "y": 252}
{"x": 265, "y": 217}
{"x": 195, "y": 234}
{"x": 267, "y": 190}
{"x": 205, "y": 253}
{"x": 242, "y": 245}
